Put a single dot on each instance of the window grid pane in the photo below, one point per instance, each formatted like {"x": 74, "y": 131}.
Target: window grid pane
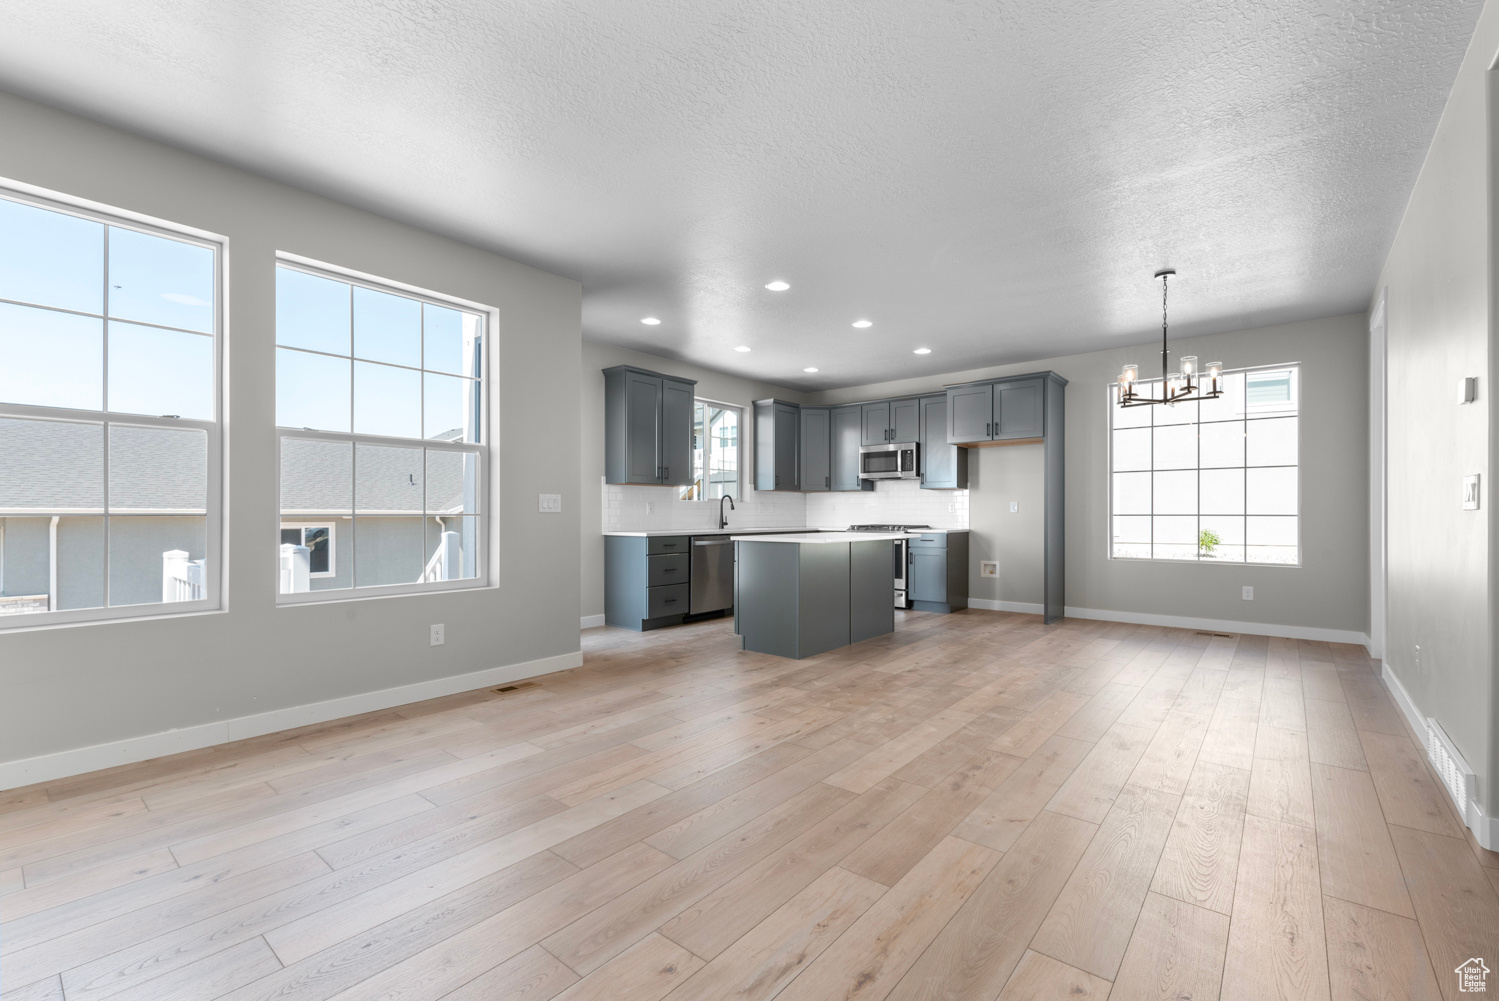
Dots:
{"x": 372, "y": 364}
{"x": 113, "y": 507}
{"x": 1215, "y": 481}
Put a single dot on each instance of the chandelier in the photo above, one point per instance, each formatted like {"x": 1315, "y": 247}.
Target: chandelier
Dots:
{"x": 1176, "y": 387}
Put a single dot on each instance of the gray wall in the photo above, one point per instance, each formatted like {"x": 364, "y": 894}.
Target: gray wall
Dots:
{"x": 1329, "y": 591}
{"x": 711, "y": 385}
{"x": 1439, "y": 329}
{"x": 69, "y": 687}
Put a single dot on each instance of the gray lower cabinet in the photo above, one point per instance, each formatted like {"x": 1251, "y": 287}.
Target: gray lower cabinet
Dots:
{"x": 647, "y": 427}
{"x": 816, "y": 474}
{"x": 937, "y": 572}
{"x": 777, "y": 445}
{"x": 847, "y": 436}
{"x": 647, "y": 581}
{"x": 943, "y": 466}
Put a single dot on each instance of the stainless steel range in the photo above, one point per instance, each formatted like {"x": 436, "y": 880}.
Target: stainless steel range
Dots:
{"x": 901, "y": 556}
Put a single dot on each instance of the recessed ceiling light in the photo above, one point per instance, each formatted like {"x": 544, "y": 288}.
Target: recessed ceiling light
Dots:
{"x": 861, "y": 324}
{"x": 650, "y": 321}
{"x": 741, "y": 348}
{"x": 778, "y": 286}
{"x": 809, "y": 370}
{"x": 922, "y": 351}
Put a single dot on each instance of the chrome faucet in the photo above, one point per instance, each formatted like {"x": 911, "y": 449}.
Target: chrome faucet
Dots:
{"x": 723, "y": 521}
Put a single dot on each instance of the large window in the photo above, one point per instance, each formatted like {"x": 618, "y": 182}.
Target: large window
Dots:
{"x": 380, "y": 403}
{"x": 109, "y": 415}
{"x": 715, "y": 452}
{"x": 1210, "y": 482}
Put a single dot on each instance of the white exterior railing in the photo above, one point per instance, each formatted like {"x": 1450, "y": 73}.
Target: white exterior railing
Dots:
{"x": 446, "y": 563}
{"x": 182, "y": 579}
{"x": 296, "y": 568}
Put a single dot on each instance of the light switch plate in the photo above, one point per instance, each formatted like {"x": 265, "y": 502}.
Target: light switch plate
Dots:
{"x": 1470, "y": 492}
{"x": 1469, "y": 390}
{"x": 551, "y": 503}
{"x": 1248, "y": 592}
{"x": 988, "y": 568}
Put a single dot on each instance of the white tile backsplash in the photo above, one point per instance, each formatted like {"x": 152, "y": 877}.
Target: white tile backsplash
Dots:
{"x": 643, "y": 509}
{"x": 896, "y": 502}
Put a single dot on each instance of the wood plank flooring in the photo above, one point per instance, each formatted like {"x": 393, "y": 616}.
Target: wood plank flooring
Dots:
{"x": 975, "y": 807}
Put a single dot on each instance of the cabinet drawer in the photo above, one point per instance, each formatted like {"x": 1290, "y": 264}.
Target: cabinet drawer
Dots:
{"x": 934, "y": 540}
{"x": 668, "y": 569}
{"x": 668, "y": 600}
{"x": 657, "y": 545}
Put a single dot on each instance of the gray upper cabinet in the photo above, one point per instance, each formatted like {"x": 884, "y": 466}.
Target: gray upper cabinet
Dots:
{"x": 676, "y": 430}
{"x": 943, "y": 466}
{"x": 876, "y": 423}
{"x": 1018, "y": 409}
{"x": 816, "y": 449}
{"x": 647, "y": 427}
{"x": 777, "y": 445}
{"x": 970, "y": 413}
{"x": 847, "y": 435}
{"x": 905, "y": 420}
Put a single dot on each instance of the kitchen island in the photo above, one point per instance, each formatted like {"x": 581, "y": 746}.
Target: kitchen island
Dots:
{"x": 800, "y": 595}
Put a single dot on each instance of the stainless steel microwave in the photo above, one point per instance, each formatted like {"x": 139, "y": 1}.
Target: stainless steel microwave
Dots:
{"x": 893, "y": 461}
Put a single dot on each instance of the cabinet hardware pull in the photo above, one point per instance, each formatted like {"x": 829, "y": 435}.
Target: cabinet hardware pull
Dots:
{"x": 669, "y": 601}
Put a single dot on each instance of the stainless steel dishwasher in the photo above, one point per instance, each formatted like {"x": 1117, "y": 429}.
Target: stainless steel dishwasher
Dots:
{"x": 712, "y": 574}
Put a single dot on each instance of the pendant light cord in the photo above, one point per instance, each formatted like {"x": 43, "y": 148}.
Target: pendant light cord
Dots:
{"x": 1164, "y": 364}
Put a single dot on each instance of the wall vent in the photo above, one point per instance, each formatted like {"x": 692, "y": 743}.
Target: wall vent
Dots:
{"x": 1460, "y": 780}
{"x": 1225, "y": 636}
{"x": 515, "y": 688}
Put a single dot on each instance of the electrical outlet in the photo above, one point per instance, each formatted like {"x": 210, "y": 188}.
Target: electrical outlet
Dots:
{"x": 1248, "y": 593}
{"x": 550, "y": 503}
{"x": 1014, "y": 507}
{"x": 437, "y": 634}
{"x": 1418, "y": 658}
{"x": 988, "y": 568}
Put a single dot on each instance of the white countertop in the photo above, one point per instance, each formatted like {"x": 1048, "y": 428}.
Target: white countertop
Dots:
{"x": 824, "y": 538}
{"x": 658, "y": 532}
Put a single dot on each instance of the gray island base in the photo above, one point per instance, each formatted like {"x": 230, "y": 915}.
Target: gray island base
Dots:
{"x": 800, "y": 595}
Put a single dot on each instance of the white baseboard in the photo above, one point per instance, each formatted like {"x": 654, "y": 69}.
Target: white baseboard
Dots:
{"x": 1485, "y": 828}
{"x": 1222, "y": 625}
{"x": 590, "y": 621}
{"x": 990, "y": 605}
{"x": 47, "y": 767}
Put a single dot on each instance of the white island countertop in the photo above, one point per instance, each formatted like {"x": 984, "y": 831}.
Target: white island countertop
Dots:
{"x": 658, "y": 532}
{"x": 825, "y": 538}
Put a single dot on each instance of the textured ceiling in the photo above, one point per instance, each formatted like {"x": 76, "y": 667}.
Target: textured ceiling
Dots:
{"x": 994, "y": 180}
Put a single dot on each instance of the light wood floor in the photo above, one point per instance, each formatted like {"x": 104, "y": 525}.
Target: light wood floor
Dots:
{"x": 975, "y": 807}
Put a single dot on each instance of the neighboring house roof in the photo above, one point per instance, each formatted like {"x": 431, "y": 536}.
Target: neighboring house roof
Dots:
{"x": 57, "y": 467}
{"x": 317, "y": 476}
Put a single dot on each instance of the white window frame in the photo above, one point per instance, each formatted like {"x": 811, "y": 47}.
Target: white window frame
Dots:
{"x": 738, "y": 450}
{"x": 1112, "y": 407}
{"x": 332, "y": 570}
{"x": 484, "y": 449}
{"x": 214, "y": 489}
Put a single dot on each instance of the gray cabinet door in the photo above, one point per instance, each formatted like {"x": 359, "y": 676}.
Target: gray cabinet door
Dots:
{"x": 876, "y": 423}
{"x": 643, "y": 424}
{"x": 939, "y": 460}
{"x": 676, "y": 431}
{"x": 970, "y": 413}
{"x": 905, "y": 420}
{"x": 927, "y": 579}
{"x": 1017, "y": 409}
{"x": 847, "y": 435}
{"x": 816, "y": 457}
{"x": 786, "y": 445}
